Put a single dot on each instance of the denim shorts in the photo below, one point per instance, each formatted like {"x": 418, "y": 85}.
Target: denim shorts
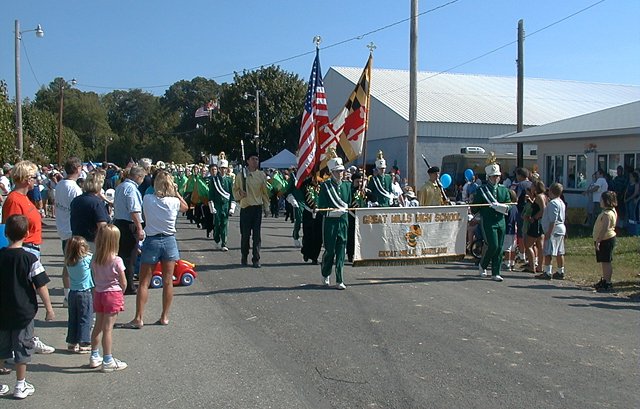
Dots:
{"x": 159, "y": 248}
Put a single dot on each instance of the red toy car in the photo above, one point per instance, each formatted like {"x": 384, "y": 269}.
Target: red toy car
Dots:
{"x": 183, "y": 274}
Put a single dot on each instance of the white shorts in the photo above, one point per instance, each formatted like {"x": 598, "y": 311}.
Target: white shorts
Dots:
{"x": 509, "y": 243}
{"x": 553, "y": 246}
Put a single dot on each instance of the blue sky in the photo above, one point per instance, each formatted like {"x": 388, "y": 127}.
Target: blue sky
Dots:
{"x": 145, "y": 44}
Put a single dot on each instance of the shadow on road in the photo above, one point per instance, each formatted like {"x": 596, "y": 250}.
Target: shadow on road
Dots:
{"x": 249, "y": 290}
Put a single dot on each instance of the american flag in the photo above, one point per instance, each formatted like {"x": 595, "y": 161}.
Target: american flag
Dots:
{"x": 315, "y": 115}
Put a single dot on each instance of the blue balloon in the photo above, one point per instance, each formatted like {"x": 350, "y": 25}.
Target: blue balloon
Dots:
{"x": 468, "y": 174}
{"x": 445, "y": 180}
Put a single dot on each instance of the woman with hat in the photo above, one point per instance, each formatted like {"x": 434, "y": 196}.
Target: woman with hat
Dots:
{"x": 493, "y": 218}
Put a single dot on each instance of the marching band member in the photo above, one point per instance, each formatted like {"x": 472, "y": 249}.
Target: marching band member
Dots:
{"x": 430, "y": 193}
{"x": 492, "y": 218}
{"x": 311, "y": 221}
{"x": 221, "y": 197}
{"x": 380, "y": 184}
{"x": 335, "y": 194}
{"x": 295, "y": 197}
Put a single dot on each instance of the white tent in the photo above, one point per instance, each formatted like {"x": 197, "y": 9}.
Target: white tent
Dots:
{"x": 282, "y": 160}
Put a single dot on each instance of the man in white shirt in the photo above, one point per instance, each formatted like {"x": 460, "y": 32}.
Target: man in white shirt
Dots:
{"x": 67, "y": 190}
{"x": 597, "y": 189}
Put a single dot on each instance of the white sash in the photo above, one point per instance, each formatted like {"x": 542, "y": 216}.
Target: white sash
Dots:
{"x": 336, "y": 201}
{"x": 217, "y": 184}
{"x": 381, "y": 188}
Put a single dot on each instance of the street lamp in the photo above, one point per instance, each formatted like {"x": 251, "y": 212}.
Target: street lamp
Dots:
{"x": 256, "y": 137}
{"x": 62, "y": 84}
{"x": 18, "y": 36}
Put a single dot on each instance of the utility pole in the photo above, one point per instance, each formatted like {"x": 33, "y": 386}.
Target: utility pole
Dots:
{"x": 412, "y": 134}
{"x": 520, "y": 97}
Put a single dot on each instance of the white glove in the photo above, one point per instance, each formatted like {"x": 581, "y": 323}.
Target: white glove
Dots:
{"x": 500, "y": 207}
{"x": 212, "y": 207}
{"x": 314, "y": 213}
{"x": 232, "y": 208}
{"x": 337, "y": 213}
{"x": 291, "y": 199}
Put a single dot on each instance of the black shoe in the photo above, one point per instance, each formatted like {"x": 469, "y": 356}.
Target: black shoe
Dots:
{"x": 305, "y": 258}
{"x": 350, "y": 258}
{"x": 599, "y": 283}
{"x": 558, "y": 276}
{"x": 543, "y": 276}
{"x": 604, "y": 287}
{"x": 314, "y": 261}
{"x": 244, "y": 262}
{"x": 256, "y": 265}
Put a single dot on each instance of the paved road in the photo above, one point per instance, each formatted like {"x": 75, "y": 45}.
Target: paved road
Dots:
{"x": 430, "y": 336}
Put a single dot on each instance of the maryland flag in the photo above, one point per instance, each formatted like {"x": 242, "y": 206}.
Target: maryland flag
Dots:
{"x": 347, "y": 130}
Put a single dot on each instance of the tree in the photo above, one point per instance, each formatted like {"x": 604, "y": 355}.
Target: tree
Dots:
{"x": 281, "y": 103}
{"x": 7, "y": 135}
{"x": 84, "y": 114}
{"x": 143, "y": 126}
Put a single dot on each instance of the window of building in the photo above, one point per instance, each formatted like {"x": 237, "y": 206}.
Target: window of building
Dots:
{"x": 554, "y": 169}
{"x": 576, "y": 172}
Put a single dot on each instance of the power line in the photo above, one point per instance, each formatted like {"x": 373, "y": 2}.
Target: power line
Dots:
{"x": 497, "y": 49}
{"x": 26, "y": 54}
{"x": 358, "y": 37}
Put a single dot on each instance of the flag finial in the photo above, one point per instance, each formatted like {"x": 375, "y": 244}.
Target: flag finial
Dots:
{"x": 317, "y": 40}
{"x": 371, "y": 46}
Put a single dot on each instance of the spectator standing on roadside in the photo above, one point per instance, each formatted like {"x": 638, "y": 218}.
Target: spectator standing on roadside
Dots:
{"x": 555, "y": 230}
{"x": 127, "y": 215}
{"x": 160, "y": 246}
{"x": 24, "y": 176}
{"x": 88, "y": 212}
{"x": 597, "y": 189}
{"x": 67, "y": 190}
{"x": 604, "y": 237}
{"x": 22, "y": 276}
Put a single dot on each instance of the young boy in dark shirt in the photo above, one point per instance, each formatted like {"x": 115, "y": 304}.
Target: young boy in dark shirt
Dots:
{"x": 21, "y": 276}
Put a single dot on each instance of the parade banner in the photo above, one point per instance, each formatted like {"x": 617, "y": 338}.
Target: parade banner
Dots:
{"x": 409, "y": 235}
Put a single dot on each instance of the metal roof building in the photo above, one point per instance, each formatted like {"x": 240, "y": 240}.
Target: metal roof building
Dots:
{"x": 571, "y": 150}
{"x": 458, "y": 110}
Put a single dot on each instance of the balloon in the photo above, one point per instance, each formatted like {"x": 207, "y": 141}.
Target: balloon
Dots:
{"x": 445, "y": 180}
{"x": 468, "y": 174}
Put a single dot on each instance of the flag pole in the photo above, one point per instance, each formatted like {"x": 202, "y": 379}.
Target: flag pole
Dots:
{"x": 371, "y": 46}
{"x": 316, "y": 165}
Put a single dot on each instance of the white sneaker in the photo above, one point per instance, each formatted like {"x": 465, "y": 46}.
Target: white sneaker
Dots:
{"x": 297, "y": 243}
{"x": 341, "y": 286}
{"x": 326, "y": 280}
{"x": 95, "y": 362}
{"x": 26, "y": 390}
{"x": 113, "y": 365}
{"x": 4, "y": 390}
{"x": 483, "y": 272}
{"x": 497, "y": 278}
{"x": 42, "y": 348}
{"x": 225, "y": 248}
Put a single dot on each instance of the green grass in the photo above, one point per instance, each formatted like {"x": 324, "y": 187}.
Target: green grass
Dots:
{"x": 581, "y": 266}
